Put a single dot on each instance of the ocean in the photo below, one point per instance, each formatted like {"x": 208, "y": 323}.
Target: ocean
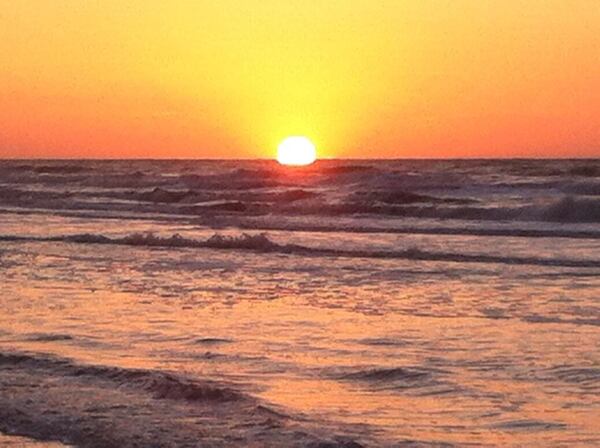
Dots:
{"x": 350, "y": 303}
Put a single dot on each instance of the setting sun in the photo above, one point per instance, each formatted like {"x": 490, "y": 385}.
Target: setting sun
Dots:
{"x": 296, "y": 151}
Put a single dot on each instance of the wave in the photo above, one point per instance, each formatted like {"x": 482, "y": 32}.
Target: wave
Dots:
{"x": 415, "y": 380}
{"x": 571, "y": 209}
{"x": 51, "y": 398}
{"x": 59, "y": 169}
{"x": 18, "y": 196}
{"x": 207, "y": 215}
{"x": 252, "y": 193}
{"x": 223, "y": 206}
{"x": 182, "y": 201}
{"x": 231, "y": 182}
{"x": 161, "y": 195}
{"x": 584, "y": 378}
{"x": 470, "y": 231}
{"x": 584, "y": 188}
{"x": 587, "y": 377}
{"x": 50, "y": 337}
{"x": 411, "y": 443}
{"x": 528, "y": 425}
{"x": 213, "y": 341}
{"x": 399, "y": 197}
{"x": 384, "y": 342}
{"x": 349, "y": 169}
{"x": 161, "y": 385}
{"x": 261, "y": 243}
{"x": 585, "y": 171}
{"x": 402, "y": 374}
{"x": 568, "y": 209}
{"x": 51, "y": 169}
{"x": 537, "y": 168}
{"x": 537, "y": 319}
{"x": 191, "y": 196}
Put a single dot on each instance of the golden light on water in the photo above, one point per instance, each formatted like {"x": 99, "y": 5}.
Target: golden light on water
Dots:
{"x": 296, "y": 150}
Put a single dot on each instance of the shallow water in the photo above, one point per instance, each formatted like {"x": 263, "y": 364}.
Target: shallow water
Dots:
{"x": 383, "y": 326}
{"x": 7, "y": 441}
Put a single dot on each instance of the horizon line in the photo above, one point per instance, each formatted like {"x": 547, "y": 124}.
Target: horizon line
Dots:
{"x": 240, "y": 159}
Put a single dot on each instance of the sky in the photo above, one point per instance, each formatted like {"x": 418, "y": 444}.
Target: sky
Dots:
{"x": 360, "y": 78}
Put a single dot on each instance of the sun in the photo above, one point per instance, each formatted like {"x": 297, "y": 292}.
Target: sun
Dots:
{"x": 296, "y": 150}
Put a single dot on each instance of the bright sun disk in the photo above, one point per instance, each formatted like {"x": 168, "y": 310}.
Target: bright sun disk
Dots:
{"x": 296, "y": 150}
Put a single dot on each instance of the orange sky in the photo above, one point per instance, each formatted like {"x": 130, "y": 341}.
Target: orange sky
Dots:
{"x": 361, "y": 78}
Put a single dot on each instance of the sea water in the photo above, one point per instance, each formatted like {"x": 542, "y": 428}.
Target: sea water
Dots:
{"x": 344, "y": 304}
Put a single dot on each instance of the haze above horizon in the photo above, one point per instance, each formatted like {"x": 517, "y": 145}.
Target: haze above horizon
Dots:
{"x": 361, "y": 79}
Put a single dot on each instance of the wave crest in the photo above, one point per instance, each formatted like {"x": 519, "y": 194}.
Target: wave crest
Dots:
{"x": 161, "y": 385}
{"x": 571, "y": 209}
{"x": 393, "y": 374}
{"x": 262, "y": 243}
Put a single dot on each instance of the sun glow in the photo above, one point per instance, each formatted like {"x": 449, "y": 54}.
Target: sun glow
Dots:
{"x": 296, "y": 151}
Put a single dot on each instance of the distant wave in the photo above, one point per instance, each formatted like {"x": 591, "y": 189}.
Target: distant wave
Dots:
{"x": 584, "y": 171}
{"x": 331, "y": 192}
{"x": 232, "y": 182}
{"x": 191, "y": 196}
{"x": 158, "y": 199}
{"x": 401, "y": 197}
{"x": 262, "y": 243}
{"x": 51, "y": 169}
{"x": 159, "y": 195}
{"x": 472, "y": 231}
{"x": 571, "y": 209}
{"x": 568, "y": 209}
{"x": 349, "y": 169}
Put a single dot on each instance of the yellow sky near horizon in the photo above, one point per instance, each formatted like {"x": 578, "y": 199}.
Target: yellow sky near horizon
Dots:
{"x": 361, "y": 78}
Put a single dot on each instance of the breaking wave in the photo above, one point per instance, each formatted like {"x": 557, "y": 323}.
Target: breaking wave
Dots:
{"x": 568, "y": 209}
{"x": 571, "y": 209}
{"x": 303, "y": 203}
{"x": 261, "y": 243}
{"x": 195, "y": 196}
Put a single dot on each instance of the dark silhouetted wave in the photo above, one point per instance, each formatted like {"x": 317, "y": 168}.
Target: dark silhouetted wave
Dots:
{"x": 161, "y": 385}
{"x": 51, "y": 398}
{"x": 262, "y": 243}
